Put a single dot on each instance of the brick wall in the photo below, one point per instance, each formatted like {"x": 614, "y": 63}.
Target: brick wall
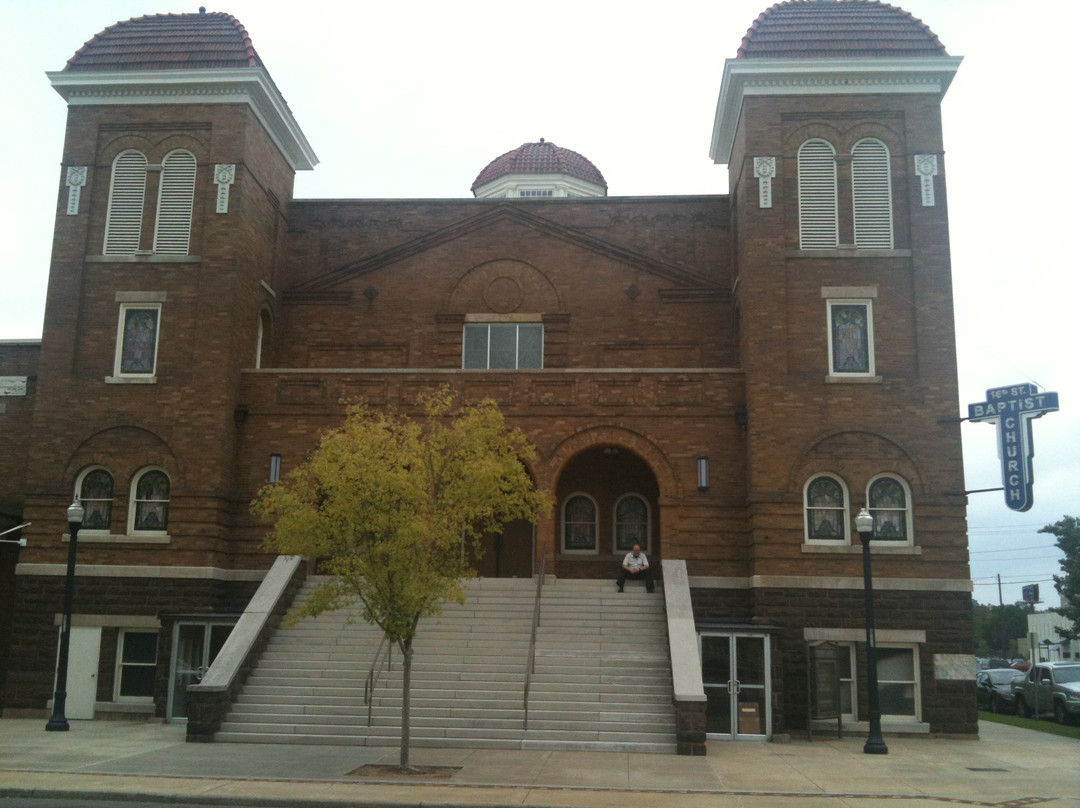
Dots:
{"x": 34, "y": 634}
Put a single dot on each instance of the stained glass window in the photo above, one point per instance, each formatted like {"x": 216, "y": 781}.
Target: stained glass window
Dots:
{"x": 96, "y": 496}
{"x": 849, "y": 324}
{"x": 138, "y": 354}
{"x": 152, "y": 501}
{"x": 889, "y": 507}
{"x": 826, "y": 510}
{"x": 579, "y": 523}
{"x": 631, "y": 523}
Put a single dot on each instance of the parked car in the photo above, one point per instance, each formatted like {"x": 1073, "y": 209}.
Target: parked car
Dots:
{"x": 1049, "y": 687}
{"x": 993, "y": 689}
{"x": 1021, "y": 665}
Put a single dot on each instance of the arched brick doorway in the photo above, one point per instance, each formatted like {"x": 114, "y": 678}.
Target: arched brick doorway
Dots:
{"x": 607, "y": 499}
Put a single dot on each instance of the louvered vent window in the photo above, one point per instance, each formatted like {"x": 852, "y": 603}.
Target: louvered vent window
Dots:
{"x": 817, "y": 195}
{"x": 871, "y": 194}
{"x": 123, "y": 223}
{"x": 175, "y": 201}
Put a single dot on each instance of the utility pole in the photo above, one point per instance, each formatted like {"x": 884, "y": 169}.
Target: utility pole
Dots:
{"x": 1001, "y": 620}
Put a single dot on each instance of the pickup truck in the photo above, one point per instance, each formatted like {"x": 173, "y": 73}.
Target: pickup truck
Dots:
{"x": 1049, "y": 687}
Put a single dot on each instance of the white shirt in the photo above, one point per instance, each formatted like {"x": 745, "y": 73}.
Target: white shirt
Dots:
{"x": 639, "y": 563}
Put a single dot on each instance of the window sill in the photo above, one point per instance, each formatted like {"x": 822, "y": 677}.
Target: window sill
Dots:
{"x": 111, "y": 538}
{"x": 848, "y": 252}
{"x": 856, "y": 549}
{"x": 143, "y": 259}
{"x": 853, "y": 379}
{"x": 131, "y": 380}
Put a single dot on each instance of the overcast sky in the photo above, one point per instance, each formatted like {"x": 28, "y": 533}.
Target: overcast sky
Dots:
{"x": 413, "y": 99}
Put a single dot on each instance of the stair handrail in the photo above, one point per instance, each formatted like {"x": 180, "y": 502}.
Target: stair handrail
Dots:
{"x": 530, "y": 666}
{"x": 374, "y": 672}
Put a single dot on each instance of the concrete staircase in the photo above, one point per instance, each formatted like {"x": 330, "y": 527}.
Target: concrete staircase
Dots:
{"x": 602, "y": 680}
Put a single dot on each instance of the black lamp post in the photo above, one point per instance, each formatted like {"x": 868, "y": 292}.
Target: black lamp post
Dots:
{"x": 875, "y": 744}
{"x": 58, "y": 721}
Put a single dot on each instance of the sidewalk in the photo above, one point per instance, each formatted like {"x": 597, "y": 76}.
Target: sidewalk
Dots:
{"x": 1006, "y": 767}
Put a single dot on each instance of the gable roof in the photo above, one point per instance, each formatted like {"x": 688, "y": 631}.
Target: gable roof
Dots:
{"x": 323, "y": 286}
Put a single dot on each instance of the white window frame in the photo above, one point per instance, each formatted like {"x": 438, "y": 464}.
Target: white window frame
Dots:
{"x": 175, "y": 203}
{"x": 646, "y": 545}
{"x": 909, "y": 541}
{"x": 119, "y": 355}
{"x": 853, "y": 682}
{"x": 127, "y": 201}
{"x": 133, "y": 503}
{"x": 121, "y": 636}
{"x": 596, "y": 525}
{"x": 871, "y": 194}
{"x": 846, "y": 518}
{"x": 517, "y": 343}
{"x": 914, "y": 648}
{"x": 112, "y": 501}
{"x": 835, "y": 372}
{"x": 819, "y": 212}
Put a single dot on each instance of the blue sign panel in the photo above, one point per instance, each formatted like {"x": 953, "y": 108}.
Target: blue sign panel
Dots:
{"x": 1013, "y": 409}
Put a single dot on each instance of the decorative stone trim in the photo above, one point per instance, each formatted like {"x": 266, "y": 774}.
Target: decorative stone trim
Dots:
{"x": 224, "y": 176}
{"x": 764, "y": 170}
{"x": 926, "y": 168}
{"x": 76, "y": 179}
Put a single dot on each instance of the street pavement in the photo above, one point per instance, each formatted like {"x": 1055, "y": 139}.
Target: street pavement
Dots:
{"x": 149, "y": 762}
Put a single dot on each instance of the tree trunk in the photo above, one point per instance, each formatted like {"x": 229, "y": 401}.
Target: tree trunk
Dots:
{"x": 406, "y": 676}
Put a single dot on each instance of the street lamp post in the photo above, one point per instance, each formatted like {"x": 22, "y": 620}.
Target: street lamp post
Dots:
{"x": 875, "y": 744}
{"x": 58, "y": 721}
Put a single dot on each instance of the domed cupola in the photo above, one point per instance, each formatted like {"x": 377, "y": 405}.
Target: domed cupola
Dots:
{"x": 539, "y": 170}
{"x": 832, "y": 48}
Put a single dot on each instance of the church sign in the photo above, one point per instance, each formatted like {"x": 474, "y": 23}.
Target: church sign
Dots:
{"x": 1013, "y": 409}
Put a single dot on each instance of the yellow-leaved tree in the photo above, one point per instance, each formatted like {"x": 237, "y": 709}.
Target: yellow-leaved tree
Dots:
{"x": 386, "y": 501}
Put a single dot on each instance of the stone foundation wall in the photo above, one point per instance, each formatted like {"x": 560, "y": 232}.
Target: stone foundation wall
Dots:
{"x": 947, "y": 704}
{"x": 39, "y": 599}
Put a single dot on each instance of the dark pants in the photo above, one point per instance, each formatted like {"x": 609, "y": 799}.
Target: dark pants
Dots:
{"x": 641, "y": 575}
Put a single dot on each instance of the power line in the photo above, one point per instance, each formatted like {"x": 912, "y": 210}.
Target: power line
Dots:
{"x": 1013, "y": 549}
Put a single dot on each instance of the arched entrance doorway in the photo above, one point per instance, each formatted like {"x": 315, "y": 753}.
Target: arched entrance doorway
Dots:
{"x": 607, "y": 500}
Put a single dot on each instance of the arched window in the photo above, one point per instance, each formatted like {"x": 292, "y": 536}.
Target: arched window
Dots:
{"x": 127, "y": 190}
{"x": 176, "y": 198}
{"x": 94, "y": 490}
{"x": 817, "y": 195}
{"x": 826, "y": 509}
{"x": 889, "y": 502}
{"x": 871, "y": 194}
{"x": 579, "y": 524}
{"x": 149, "y": 511}
{"x": 631, "y": 523}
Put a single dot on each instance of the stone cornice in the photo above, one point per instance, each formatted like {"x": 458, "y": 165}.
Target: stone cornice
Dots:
{"x": 248, "y": 85}
{"x": 744, "y": 77}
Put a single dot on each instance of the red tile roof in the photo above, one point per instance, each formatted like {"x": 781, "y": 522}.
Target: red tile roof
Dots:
{"x": 816, "y": 29}
{"x": 540, "y": 158}
{"x": 168, "y": 42}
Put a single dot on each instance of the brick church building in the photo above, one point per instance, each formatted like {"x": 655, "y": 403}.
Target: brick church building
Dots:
{"x": 726, "y": 380}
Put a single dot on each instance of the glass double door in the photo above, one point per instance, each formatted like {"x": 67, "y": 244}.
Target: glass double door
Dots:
{"x": 735, "y": 671}
{"x": 194, "y": 648}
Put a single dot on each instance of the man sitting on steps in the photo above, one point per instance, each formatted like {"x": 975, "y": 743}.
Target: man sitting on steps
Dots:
{"x": 635, "y": 566}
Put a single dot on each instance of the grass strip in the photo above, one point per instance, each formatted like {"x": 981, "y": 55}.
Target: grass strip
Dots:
{"x": 1050, "y": 727}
